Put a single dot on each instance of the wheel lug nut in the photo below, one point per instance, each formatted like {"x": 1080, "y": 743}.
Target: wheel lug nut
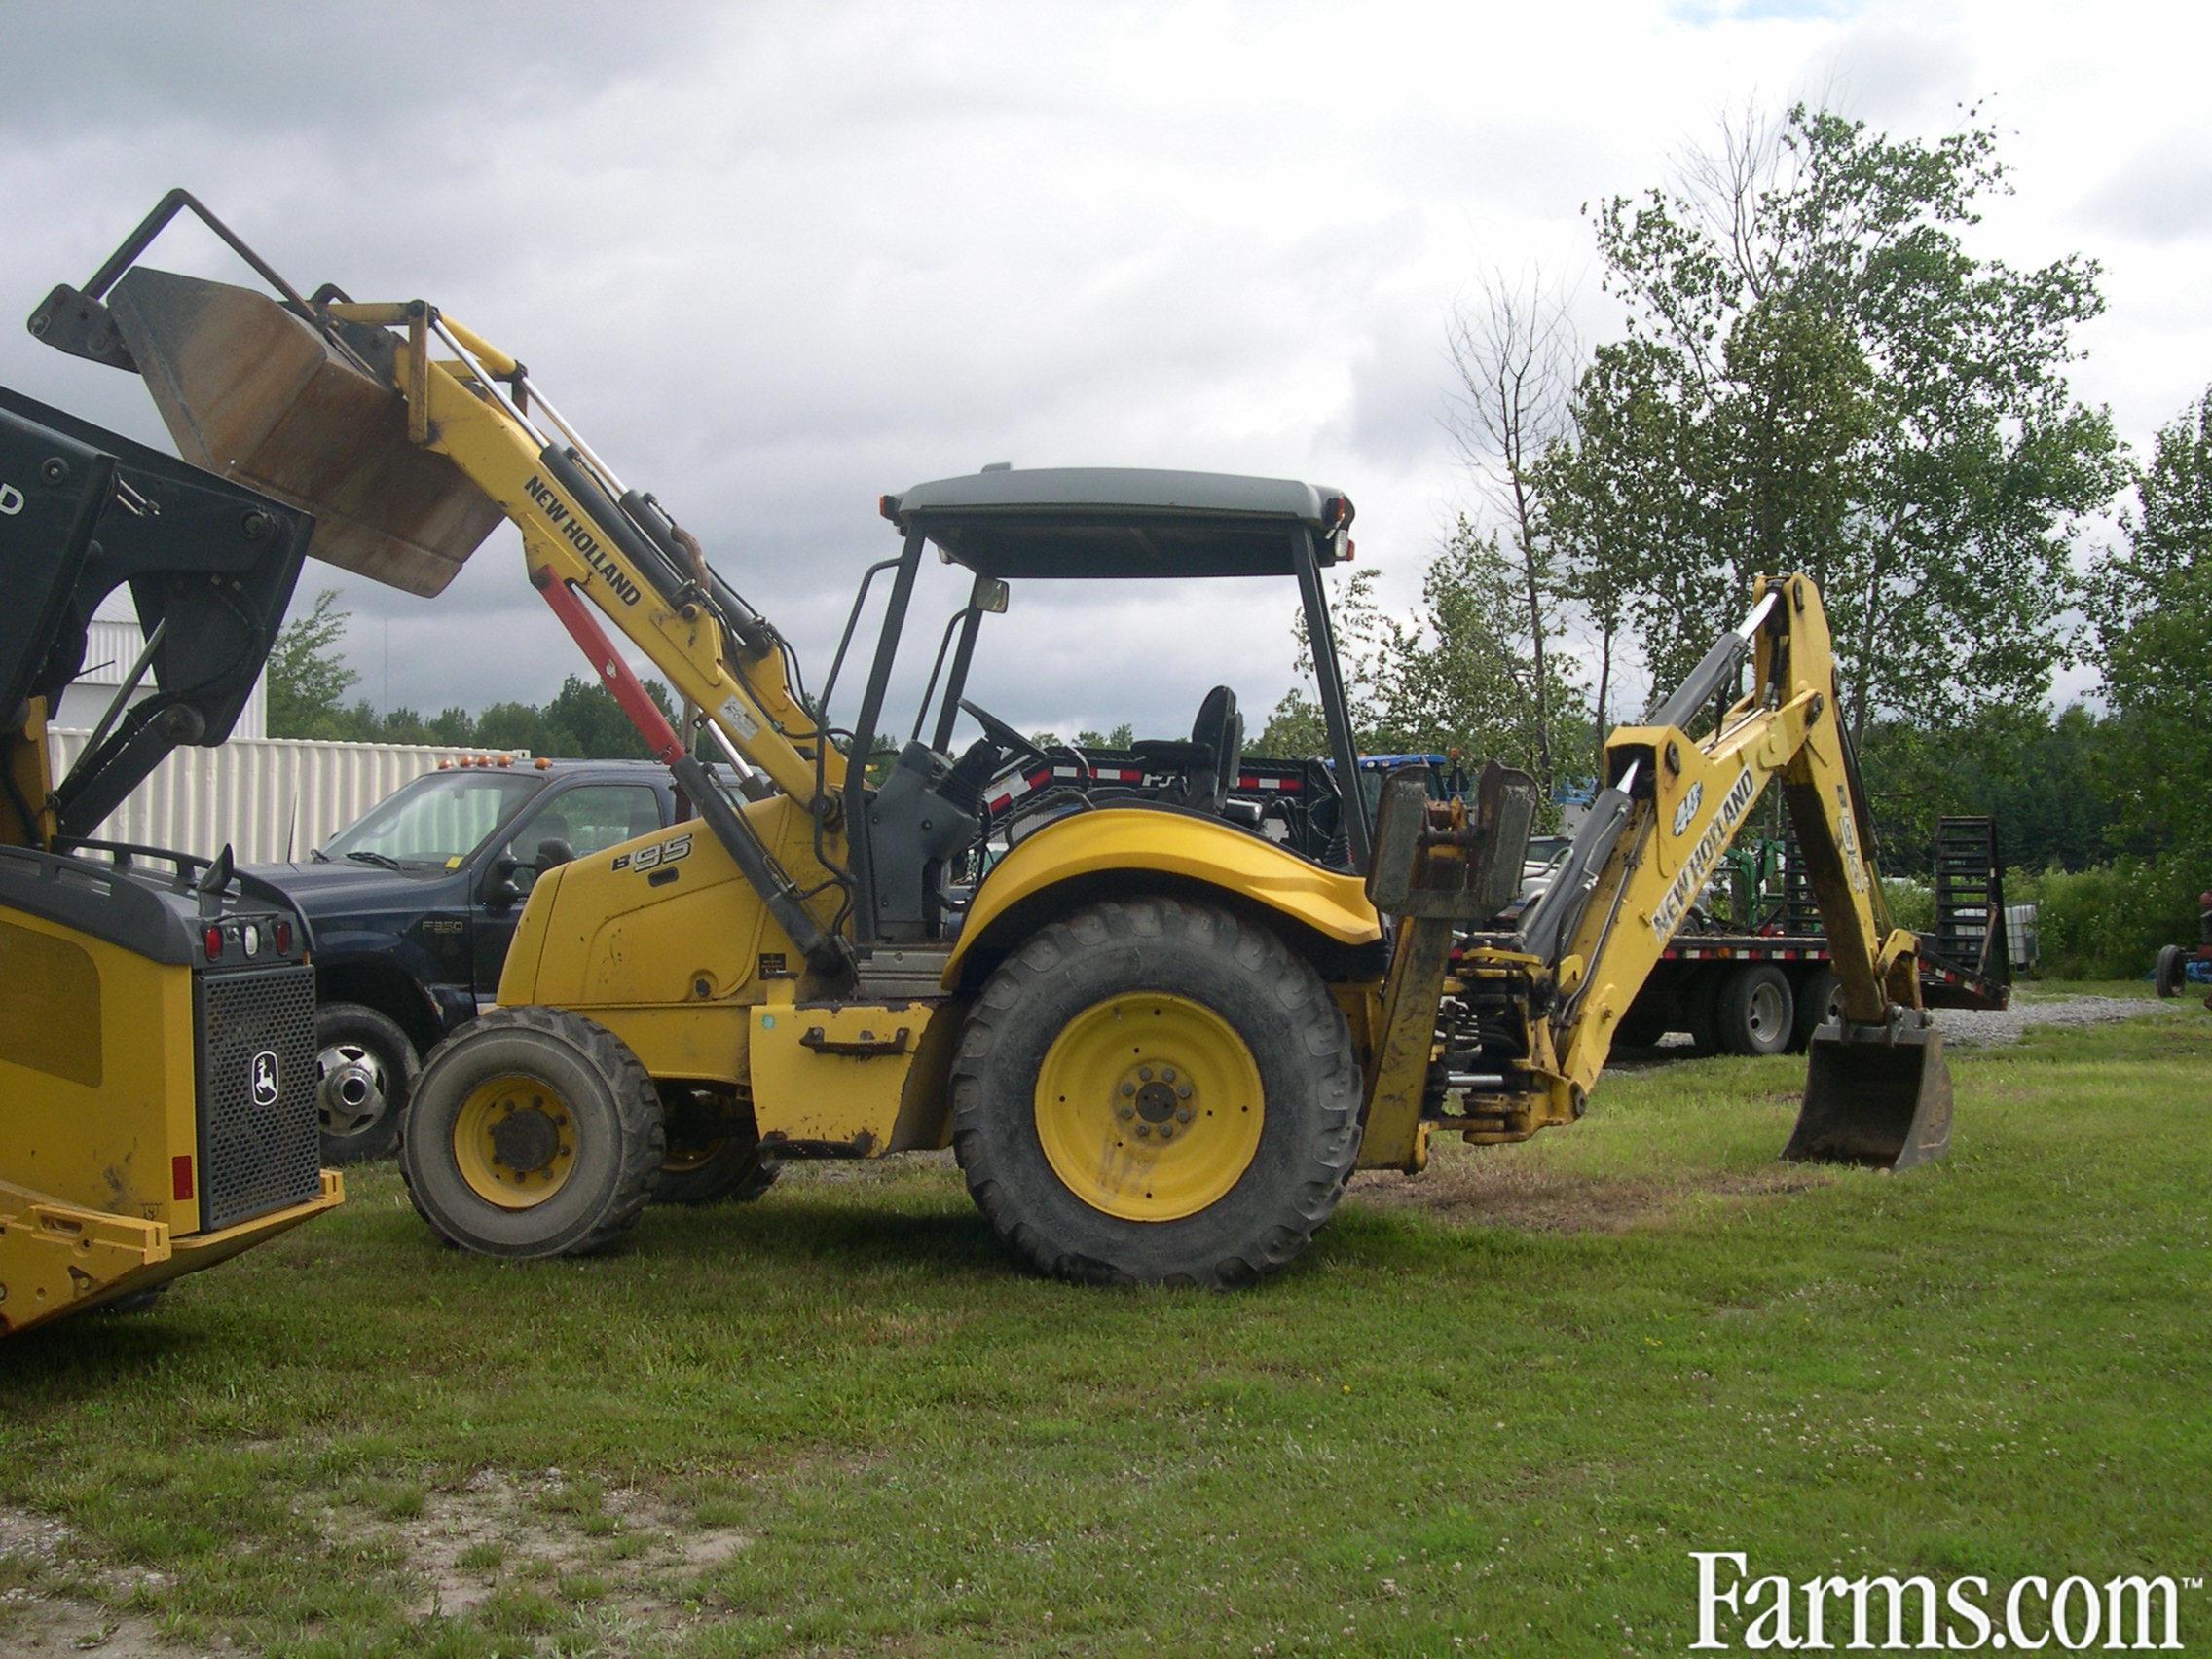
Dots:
{"x": 1144, "y": 1131}
{"x": 1145, "y": 1072}
{"x": 1128, "y": 1089}
{"x": 1127, "y": 1111}
{"x": 1167, "y": 1074}
{"x": 1182, "y": 1114}
{"x": 1182, "y": 1092}
{"x": 1167, "y": 1131}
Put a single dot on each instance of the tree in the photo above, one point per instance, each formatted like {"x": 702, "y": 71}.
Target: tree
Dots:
{"x": 1819, "y": 375}
{"x": 2152, "y": 608}
{"x": 307, "y": 682}
{"x": 1455, "y": 677}
{"x": 1513, "y": 350}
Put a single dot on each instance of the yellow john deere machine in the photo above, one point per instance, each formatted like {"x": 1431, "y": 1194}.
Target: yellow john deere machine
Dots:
{"x": 157, "y": 1055}
{"x": 1159, "y": 1043}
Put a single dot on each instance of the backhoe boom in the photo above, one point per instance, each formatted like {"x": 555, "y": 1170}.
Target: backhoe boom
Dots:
{"x": 1531, "y": 1016}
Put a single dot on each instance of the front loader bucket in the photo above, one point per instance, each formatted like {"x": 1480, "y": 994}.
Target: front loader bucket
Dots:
{"x": 1874, "y": 1096}
{"x": 252, "y": 392}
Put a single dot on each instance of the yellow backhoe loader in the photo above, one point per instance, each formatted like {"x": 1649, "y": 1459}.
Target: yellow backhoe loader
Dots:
{"x": 157, "y": 1055}
{"x": 1159, "y": 1043}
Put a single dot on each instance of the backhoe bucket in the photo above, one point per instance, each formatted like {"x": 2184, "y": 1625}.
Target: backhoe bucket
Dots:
{"x": 1874, "y": 1096}
{"x": 252, "y": 392}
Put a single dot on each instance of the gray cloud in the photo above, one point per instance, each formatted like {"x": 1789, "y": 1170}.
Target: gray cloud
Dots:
{"x": 779, "y": 259}
{"x": 2162, "y": 194}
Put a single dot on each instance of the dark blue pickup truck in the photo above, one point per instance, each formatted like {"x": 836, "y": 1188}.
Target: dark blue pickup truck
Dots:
{"x": 415, "y": 905}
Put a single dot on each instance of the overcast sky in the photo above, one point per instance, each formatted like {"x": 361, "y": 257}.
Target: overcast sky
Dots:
{"x": 776, "y": 261}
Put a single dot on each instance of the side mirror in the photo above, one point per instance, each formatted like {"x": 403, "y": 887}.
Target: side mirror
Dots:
{"x": 500, "y": 884}
{"x": 552, "y": 853}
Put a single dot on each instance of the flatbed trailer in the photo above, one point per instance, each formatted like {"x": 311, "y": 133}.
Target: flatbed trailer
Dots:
{"x": 1766, "y": 992}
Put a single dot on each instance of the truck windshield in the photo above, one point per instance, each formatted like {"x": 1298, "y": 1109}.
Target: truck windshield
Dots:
{"x": 436, "y": 818}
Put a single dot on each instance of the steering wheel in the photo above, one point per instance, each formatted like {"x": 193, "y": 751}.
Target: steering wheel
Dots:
{"x": 1004, "y": 735}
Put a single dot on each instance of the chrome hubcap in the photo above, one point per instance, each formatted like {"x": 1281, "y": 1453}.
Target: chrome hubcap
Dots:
{"x": 350, "y": 1092}
{"x": 1765, "y": 1012}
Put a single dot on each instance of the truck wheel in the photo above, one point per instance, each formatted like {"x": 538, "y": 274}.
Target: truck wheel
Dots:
{"x": 1156, "y": 1092}
{"x": 534, "y": 1132}
{"x": 1754, "y": 1011}
{"x": 2171, "y": 971}
{"x": 1820, "y": 999}
{"x": 365, "y": 1067}
{"x": 731, "y": 1169}
{"x": 1700, "y": 1003}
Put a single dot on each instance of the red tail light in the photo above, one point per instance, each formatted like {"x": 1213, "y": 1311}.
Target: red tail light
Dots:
{"x": 283, "y": 938}
{"x": 212, "y": 939}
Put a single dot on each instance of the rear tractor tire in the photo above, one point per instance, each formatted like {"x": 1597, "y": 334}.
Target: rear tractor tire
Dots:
{"x": 364, "y": 1071}
{"x": 534, "y": 1132}
{"x": 1753, "y": 1011}
{"x": 1156, "y": 1092}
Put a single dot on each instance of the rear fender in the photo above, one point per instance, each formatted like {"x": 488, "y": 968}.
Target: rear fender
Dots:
{"x": 1119, "y": 851}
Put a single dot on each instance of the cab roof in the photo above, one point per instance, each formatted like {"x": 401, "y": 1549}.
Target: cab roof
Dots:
{"x": 1123, "y": 523}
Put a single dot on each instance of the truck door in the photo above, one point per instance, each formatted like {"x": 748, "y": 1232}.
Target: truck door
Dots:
{"x": 586, "y": 818}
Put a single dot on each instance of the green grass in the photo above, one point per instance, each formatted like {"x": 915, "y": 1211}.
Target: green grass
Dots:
{"x": 1498, "y": 1406}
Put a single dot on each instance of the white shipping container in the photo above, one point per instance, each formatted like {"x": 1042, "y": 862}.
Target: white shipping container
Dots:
{"x": 266, "y": 798}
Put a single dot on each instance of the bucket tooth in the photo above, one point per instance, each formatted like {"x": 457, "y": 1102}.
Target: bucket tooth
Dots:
{"x": 252, "y": 391}
{"x": 1874, "y": 1096}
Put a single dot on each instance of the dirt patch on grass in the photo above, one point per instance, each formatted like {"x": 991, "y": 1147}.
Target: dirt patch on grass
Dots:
{"x": 46, "y": 1605}
{"x": 622, "y": 1550}
{"x": 1500, "y": 1192}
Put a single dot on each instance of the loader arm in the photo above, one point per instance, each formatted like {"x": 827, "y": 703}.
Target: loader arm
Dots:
{"x": 1529, "y": 1016}
{"x": 409, "y": 435}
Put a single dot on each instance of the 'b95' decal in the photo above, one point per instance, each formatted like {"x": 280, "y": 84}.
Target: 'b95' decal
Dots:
{"x": 664, "y": 853}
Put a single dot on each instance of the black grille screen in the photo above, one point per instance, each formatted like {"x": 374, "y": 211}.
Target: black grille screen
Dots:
{"x": 260, "y": 1145}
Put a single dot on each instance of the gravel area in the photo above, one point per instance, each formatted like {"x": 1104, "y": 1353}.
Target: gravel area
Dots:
{"x": 1976, "y": 1028}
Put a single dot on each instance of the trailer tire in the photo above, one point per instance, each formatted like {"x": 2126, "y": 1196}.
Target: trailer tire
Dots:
{"x": 1818, "y": 995}
{"x": 1156, "y": 1092}
{"x": 1699, "y": 1003}
{"x": 1753, "y": 1011}
{"x": 1644, "y": 1023}
{"x": 365, "y": 1069}
{"x": 2172, "y": 969}
{"x": 534, "y": 1132}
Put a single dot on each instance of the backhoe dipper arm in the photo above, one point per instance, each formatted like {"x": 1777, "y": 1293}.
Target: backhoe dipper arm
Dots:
{"x": 1655, "y": 835}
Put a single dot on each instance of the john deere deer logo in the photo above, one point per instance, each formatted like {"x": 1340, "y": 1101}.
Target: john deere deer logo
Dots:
{"x": 267, "y": 1080}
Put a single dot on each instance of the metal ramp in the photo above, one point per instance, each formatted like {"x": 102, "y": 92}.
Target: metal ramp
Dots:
{"x": 1968, "y": 960}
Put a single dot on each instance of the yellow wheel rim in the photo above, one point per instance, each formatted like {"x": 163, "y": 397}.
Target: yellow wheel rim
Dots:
{"x": 514, "y": 1141}
{"x": 1148, "y": 1106}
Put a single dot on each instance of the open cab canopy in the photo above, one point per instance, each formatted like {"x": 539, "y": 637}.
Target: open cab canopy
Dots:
{"x": 1115, "y": 523}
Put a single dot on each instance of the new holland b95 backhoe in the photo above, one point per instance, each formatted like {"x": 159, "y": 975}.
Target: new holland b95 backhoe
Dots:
{"x": 157, "y": 1055}
{"x": 1159, "y": 1043}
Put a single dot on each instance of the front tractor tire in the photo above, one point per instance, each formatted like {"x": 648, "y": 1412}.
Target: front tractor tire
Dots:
{"x": 534, "y": 1132}
{"x": 1156, "y": 1092}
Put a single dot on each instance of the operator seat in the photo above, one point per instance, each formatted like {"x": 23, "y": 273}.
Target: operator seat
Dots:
{"x": 1208, "y": 761}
